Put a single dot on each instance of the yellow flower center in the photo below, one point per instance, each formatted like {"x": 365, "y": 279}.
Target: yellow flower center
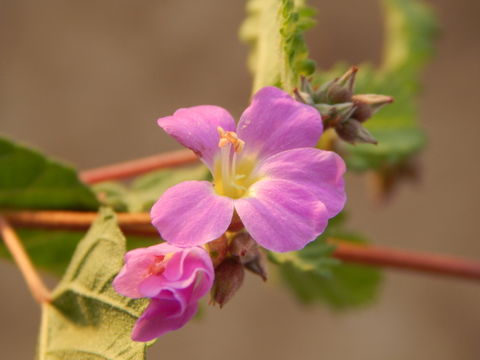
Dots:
{"x": 233, "y": 173}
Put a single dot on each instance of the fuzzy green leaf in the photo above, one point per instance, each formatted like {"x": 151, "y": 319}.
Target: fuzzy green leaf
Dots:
{"x": 274, "y": 29}
{"x": 314, "y": 276}
{"x": 410, "y": 28}
{"x": 145, "y": 190}
{"x": 29, "y": 180}
{"x": 87, "y": 319}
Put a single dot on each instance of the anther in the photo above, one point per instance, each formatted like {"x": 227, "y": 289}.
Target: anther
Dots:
{"x": 230, "y": 137}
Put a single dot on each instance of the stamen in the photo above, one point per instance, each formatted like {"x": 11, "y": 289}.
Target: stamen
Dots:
{"x": 229, "y": 182}
{"x": 225, "y": 152}
{"x": 230, "y": 137}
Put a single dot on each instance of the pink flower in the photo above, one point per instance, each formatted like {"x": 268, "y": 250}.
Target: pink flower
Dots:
{"x": 266, "y": 169}
{"x": 174, "y": 278}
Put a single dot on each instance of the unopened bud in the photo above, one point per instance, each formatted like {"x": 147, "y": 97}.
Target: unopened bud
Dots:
{"x": 373, "y": 99}
{"x": 305, "y": 93}
{"x": 348, "y": 79}
{"x": 369, "y": 104}
{"x": 257, "y": 266}
{"x": 302, "y": 97}
{"x": 228, "y": 279}
{"x": 353, "y": 132}
{"x": 341, "y": 89}
{"x": 333, "y": 114}
{"x": 243, "y": 247}
{"x": 246, "y": 250}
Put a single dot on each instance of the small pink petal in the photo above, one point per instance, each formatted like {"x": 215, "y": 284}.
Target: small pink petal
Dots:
{"x": 188, "y": 273}
{"x": 133, "y": 272}
{"x": 275, "y": 122}
{"x": 136, "y": 268}
{"x": 191, "y": 213}
{"x": 196, "y": 129}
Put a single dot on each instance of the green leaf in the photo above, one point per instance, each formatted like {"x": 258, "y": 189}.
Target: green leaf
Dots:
{"x": 87, "y": 319}
{"x": 274, "y": 29}
{"x": 29, "y": 180}
{"x": 410, "y": 28}
{"x": 314, "y": 276}
{"x": 145, "y": 190}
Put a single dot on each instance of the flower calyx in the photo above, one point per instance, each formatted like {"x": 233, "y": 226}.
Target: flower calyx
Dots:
{"x": 237, "y": 253}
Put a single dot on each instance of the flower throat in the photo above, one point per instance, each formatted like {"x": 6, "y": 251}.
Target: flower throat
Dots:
{"x": 233, "y": 173}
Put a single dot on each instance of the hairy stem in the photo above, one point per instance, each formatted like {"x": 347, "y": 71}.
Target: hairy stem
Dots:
{"x": 138, "y": 167}
{"x": 38, "y": 289}
{"x": 139, "y": 224}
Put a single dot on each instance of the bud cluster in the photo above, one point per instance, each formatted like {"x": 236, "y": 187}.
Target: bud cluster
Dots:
{"x": 340, "y": 108}
{"x": 242, "y": 252}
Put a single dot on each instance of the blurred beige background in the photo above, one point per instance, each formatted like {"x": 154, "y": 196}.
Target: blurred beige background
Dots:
{"x": 85, "y": 80}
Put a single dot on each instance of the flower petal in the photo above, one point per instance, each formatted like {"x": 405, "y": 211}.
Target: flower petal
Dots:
{"x": 186, "y": 275}
{"x": 136, "y": 269}
{"x": 275, "y": 122}
{"x": 133, "y": 273}
{"x": 320, "y": 172}
{"x": 191, "y": 213}
{"x": 281, "y": 215}
{"x": 196, "y": 128}
{"x": 180, "y": 269}
{"x": 161, "y": 316}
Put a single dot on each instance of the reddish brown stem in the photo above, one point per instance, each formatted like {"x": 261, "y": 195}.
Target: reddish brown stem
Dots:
{"x": 132, "y": 224}
{"x": 139, "y": 224}
{"x": 38, "y": 289}
{"x": 409, "y": 260}
{"x": 74, "y": 220}
{"x": 138, "y": 167}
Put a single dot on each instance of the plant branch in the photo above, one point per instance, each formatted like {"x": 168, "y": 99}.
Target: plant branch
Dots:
{"x": 131, "y": 223}
{"x": 38, "y": 289}
{"x": 138, "y": 167}
{"x": 139, "y": 224}
{"x": 74, "y": 220}
{"x": 408, "y": 260}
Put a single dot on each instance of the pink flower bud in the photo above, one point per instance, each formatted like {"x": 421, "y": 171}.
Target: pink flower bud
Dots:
{"x": 173, "y": 278}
